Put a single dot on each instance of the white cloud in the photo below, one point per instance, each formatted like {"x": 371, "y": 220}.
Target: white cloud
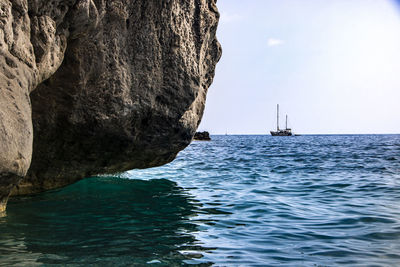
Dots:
{"x": 227, "y": 18}
{"x": 275, "y": 42}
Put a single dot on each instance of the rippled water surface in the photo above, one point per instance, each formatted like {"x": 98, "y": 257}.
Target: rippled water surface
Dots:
{"x": 237, "y": 200}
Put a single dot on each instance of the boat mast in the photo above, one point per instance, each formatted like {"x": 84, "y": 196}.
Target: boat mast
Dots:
{"x": 286, "y": 121}
{"x": 277, "y": 117}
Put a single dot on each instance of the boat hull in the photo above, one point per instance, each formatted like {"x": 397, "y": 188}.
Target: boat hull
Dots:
{"x": 281, "y": 133}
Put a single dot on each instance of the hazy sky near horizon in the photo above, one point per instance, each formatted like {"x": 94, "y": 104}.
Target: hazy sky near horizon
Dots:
{"x": 333, "y": 66}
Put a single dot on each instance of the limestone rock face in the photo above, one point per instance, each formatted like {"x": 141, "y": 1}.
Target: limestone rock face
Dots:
{"x": 107, "y": 85}
{"x": 31, "y": 50}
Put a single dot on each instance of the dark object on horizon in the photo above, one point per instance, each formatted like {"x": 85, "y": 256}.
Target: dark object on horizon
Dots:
{"x": 281, "y": 132}
{"x": 202, "y": 136}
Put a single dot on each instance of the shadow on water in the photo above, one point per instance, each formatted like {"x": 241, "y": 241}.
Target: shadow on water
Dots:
{"x": 102, "y": 221}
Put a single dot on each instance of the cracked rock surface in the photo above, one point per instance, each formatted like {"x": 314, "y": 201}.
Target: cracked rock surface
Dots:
{"x": 94, "y": 87}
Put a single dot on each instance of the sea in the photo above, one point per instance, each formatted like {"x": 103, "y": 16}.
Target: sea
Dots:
{"x": 322, "y": 200}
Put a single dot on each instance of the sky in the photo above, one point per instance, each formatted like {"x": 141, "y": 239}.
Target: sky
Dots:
{"x": 333, "y": 66}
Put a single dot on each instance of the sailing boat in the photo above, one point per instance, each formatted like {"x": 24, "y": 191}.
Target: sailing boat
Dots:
{"x": 281, "y": 132}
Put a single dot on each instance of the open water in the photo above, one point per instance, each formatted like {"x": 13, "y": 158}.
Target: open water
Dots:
{"x": 234, "y": 201}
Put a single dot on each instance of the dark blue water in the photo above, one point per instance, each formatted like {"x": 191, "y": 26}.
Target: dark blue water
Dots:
{"x": 237, "y": 200}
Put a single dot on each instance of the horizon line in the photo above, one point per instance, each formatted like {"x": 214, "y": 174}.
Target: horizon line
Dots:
{"x": 307, "y": 134}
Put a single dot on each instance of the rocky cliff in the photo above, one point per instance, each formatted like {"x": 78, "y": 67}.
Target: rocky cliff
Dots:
{"x": 95, "y": 86}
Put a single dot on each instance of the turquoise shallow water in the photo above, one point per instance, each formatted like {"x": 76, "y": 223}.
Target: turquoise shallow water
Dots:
{"x": 237, "y": 200}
